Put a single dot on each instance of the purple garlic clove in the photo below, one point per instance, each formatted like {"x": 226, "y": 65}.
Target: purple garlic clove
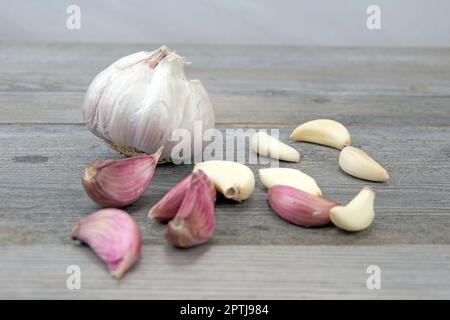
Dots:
{"x": 114, "y": 236}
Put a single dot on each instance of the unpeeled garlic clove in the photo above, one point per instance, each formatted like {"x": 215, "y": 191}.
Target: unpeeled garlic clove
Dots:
{"x": 195, "y": 220}
{"x": 266, "y": 145}
{"x": 299, "y": 207}
{"x": 358, "y": 214}
{"x": 114, "y": 236}
{"x": 234, "y": 180}
{"x": 359, "y": 164}
{"x": 166, "y": 208}
{"x": 117, "y": 183}
{"x": 289, "y": 177}
{"x": 323, "y": 131}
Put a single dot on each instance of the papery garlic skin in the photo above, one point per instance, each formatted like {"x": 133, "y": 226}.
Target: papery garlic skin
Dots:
{"x": 194, "y": 222}
{"x": 138, "y": 101}
{"x": 114, "y": 236}
{"x": 299, "y": 207}
{"x": 166, "y": 208}
{"x": 234, "y": 180}
{"x": 118, "y": 183}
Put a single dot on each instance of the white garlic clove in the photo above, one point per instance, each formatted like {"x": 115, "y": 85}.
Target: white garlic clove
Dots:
{"x": 359, "y": 164}
{"x": 289, "y": 177}
{"x": 358, "y": 214}
{"x": 323, "y": 131}
{"x": 266, "y": 145}
{"x": 234, "y": 180}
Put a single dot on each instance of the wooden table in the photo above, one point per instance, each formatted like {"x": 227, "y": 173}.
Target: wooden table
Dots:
{"x": 395, "y": 102}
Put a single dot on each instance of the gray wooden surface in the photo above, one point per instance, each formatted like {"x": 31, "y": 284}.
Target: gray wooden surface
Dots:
{"x": 395, "y": 102}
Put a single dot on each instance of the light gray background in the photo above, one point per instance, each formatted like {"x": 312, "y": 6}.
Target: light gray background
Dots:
{"x": 289, "y": 22}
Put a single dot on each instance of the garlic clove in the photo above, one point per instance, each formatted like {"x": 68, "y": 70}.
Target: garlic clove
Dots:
{"x": 289, "y": 177}
{"x": 114, "y": 236}
{"x": 323, "y": 131}
{"x": 166, "y": 208}
{"x": 266, "y": 145}
{"x": 234, "y": 180}
{"x": 299, "y": 207}
{"x": 195, "y": 220}
{"x": 359, "y": 164}
{"x": 356, "y": 215}
{"x": 117, "y": 183}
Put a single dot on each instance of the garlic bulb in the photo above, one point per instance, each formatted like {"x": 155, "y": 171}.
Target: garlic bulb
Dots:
{"x": 137, "y": 102}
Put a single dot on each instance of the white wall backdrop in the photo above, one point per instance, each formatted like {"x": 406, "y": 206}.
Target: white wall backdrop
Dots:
{"x": 288, "y": 22}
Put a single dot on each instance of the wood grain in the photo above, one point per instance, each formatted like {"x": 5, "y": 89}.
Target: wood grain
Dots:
{"x": 266, "y": 85}
{"x": 41, "y": 190}
{"x": 395, "y": 102}
{"x": 288, "y": 109}
{"x": 230, "y": 272}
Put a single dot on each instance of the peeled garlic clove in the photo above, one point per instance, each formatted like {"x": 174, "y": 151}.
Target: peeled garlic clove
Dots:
{"x": 234, "y": 180}
{"x": 117, "y": 183}
{"x": 166, "y": 208}
{"x": 137, "y": 102}
{"x": 358, "y": 214}
{"x": 268, "y": 146}
{"x": 114, "y": 236}
{"x": 195, "y": 220}
{"x": 359, "y": 164}
{"x": 299, "y": 207}
{"x": 323, "y": 131}
{"x": 289, "y": 177}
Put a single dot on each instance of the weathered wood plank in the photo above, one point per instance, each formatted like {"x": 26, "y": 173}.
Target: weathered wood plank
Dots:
{"x": 271, "y": 85}
{"x": 288, "y": 108}
{"x": 394, "y": 101}
{"x": 42, "y": 196}
{"x": 230, "y": 272}
{"x": 230, "y": 69}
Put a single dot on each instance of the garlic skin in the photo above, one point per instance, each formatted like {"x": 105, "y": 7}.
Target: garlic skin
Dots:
{"x": 137, "y": 102}
{"x": 299, "y": 207}
{"x": 358, "y": 214}
{"x": 195, "y": 220}
{"x": 266, "y": 145}
{"x": 114, "y": 236}
{"x": 166, "y": 208}
{"x": 323, "y": 131}
{"x": 118, "y": 183}
{"x": 357, "y": 163}
{"x": 234, "y": 180}
{"x": 289, "y": 177}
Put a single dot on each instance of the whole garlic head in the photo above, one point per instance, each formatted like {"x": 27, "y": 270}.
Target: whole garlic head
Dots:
{"x": 137, "y": 102}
